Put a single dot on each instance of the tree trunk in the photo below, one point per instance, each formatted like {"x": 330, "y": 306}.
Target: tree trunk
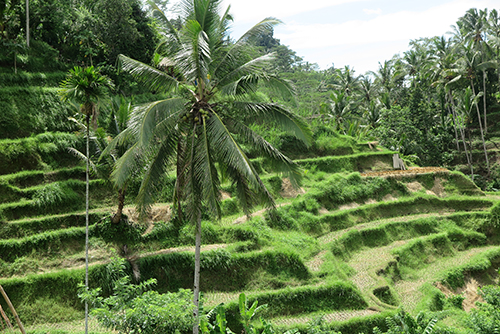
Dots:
{"x": 196, "y": 287}
{"x": 28, "y": 23}
{"x": 484, "y": 102}
{"x": 121, "y": 202}
{"x": 462, "y": 134}
{"x": 179, "y": 182}
{"x": 87, "y": 182}
{"x": 453, "y": 117}
{"x": 481, "y": 129}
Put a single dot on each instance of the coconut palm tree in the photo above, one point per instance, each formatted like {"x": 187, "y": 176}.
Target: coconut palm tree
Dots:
{"x": 466, "y": 66}
{"x": 338, "y": 110}
{"x": 86, "y": 87}
{"x": 347, "y": 81}
{"x": 197, "y": 130}
{"x": 473, "y": 27}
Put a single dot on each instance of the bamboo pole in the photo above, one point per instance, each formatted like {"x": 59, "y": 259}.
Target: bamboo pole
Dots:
{"x": 4, "y": 316}
{"x": 18, "y": 320}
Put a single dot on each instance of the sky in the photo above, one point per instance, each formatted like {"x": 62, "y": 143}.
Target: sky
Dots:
{"x": 358, "y": 33}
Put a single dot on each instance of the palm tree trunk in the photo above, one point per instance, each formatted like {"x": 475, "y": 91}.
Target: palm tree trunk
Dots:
{"x": 87, "y": 182}
{"x": 453, "y": 117}
{"x": 481, "y": 129}
{"x": 28, "y": 23}
{"x": 462, "y": 134}
{"x": 196, "y": 287}
{"x": 484, "y": 102}
{"x": 121, "y": 203}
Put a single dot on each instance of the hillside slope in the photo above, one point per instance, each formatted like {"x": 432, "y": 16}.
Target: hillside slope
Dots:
{"x": 346, "y": 245}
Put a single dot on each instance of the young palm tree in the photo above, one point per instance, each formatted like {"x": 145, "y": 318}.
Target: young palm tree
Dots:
{"x": 213, "y": 82}
{"x": 86, "y": 86}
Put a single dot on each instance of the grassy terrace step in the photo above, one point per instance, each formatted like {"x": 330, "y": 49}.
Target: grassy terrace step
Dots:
{"x": 40, "y": 152}
{"x": 24, "y": 79}
{"x": 31, "y": 110}
{"x": 56, "y": 198}
{"x": 479, "y": 265}
{"x": 302, "y": 300}
{"x": 383, "y": 234}
{"x": 32, "y": 178}
{"x": 417, "y": 251}
{"x": 223, "y": 270}
{"x": 63, "y": 185}
{"x": 348, "y": 163}
{"x": 348, "y": 322}
{"x": 47, "y": 242}
{"x": 321, "y": 224}
{"x": 31, "y": 226}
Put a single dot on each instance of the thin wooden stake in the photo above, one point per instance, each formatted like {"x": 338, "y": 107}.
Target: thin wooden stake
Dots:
{"x": 4, "y": 316}
{"x": 18, "y": 320}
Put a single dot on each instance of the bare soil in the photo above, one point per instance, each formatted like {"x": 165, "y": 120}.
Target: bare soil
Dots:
{"x": 409, "y": 172}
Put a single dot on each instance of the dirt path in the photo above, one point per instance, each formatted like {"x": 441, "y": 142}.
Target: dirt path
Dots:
{"x": 366, "y": 263}
{"x": 243, "y": 219}
{"x": 410, "y": 290}
{"x": 328, "y": 317}
{"x": 409, "y": 172}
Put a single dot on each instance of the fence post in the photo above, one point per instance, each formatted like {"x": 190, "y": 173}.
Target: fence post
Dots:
{"x": 19, "y": 323}
{"x": 4, "y": 316}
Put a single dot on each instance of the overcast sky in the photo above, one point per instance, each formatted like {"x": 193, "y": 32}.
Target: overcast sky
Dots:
{"x": 358, "y": 33}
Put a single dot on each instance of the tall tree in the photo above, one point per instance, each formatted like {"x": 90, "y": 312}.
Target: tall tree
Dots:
{"x": 473, "y": 27}
{"x": 86, "y": 86}
{"x": 213, "y": 82}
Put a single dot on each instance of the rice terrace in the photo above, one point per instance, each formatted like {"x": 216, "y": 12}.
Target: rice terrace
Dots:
{"x": 160, "y": 175}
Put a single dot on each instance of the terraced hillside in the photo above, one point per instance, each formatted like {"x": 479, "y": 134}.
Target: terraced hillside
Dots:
{"x": 348, "y": 246}
{"x": 355, "y": 243}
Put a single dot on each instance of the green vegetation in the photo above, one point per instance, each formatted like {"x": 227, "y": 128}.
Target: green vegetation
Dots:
{"x": 213, "y": 128}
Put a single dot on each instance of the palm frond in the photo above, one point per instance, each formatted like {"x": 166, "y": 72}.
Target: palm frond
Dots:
{"x": 279, "y": 162}
{"x": 206, "y": 172}
{"x": 126, "y": 165}
{"x": 193, "y": 57}
{"x": 229, "y": 153}
{"x": 236, "y": 48}
{"x": 160, "y": 157}
{"x": 164, "y": 19}
{"x": 146, "y": 117}
{"x": 153, "y": 78}
{"x": 283, "y": 87}
{"x": 82, "y": 157}
{"x": 253, "y": 67}
{"x": 283, "y": 118}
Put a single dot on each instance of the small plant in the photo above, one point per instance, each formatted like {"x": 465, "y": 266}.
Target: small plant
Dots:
{"x": 214, "y": 322}
{"x": 456, "y": 301}
{"x": 133, "y": 309}
{"x": 53, "y": 195}
{"x": 404, "y": 323}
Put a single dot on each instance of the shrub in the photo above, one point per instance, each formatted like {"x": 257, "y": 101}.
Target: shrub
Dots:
{"x": 132, "y": 308}
{"x": 54, "y": 195}
{"x": 456, "y": 301}
{"x": 122, "y": 233}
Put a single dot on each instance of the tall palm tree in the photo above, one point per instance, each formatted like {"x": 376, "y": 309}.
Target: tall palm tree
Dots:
{"x": 338, "y": 110}
{"x": 494, "y": 37}
{"x": 86, "y": 87}
{"x": 213, "y": 82}
{"x": 466, "y": 67}
{"x": 347, "y": 81}
{"x": 473, "y": 27}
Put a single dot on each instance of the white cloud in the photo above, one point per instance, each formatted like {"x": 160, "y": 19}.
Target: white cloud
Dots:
{"x": 390, "y": 27}
{"x": 377, "y": 11}
{"x": 245, "y": 11}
